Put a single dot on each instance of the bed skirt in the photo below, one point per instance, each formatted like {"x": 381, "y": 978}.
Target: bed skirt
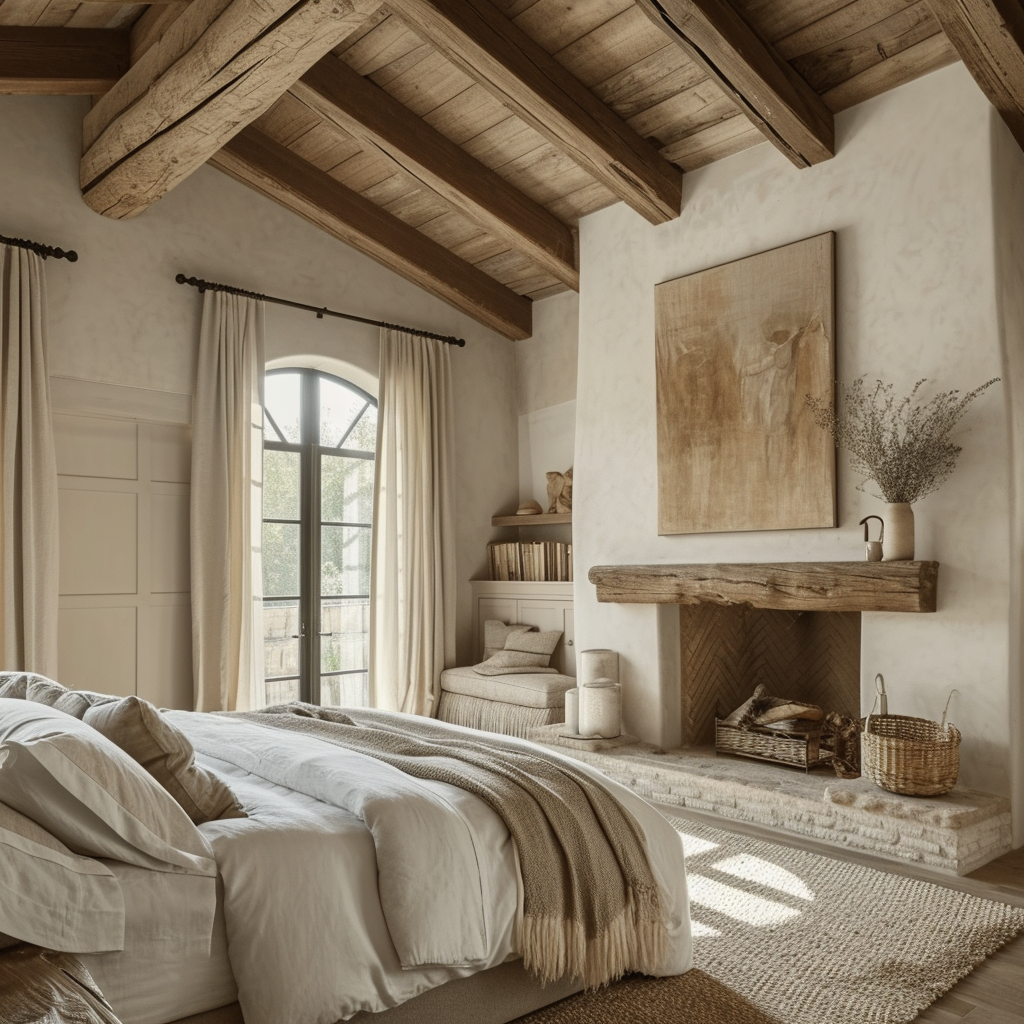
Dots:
{"x": 495, "y": 996}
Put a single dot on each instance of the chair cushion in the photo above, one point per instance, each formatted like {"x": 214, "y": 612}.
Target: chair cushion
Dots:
{"x": 536, "y": 690}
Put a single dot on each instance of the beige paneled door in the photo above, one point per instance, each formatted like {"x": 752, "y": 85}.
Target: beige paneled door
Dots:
{"x": 123, "y": 494}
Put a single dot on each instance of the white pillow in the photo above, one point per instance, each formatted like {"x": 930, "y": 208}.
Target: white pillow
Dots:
{"x": 91, "y": 795}
{"x": 53, "y": 898}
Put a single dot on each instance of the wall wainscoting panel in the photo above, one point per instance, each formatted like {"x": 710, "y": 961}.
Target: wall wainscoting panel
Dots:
{"x": 124, "y": 621}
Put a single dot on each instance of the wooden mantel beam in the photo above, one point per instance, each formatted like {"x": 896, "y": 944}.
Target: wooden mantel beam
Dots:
{"x": 760, "y": 82}
{"x": 61, "y": 61}
{"x": 217, "y": 68}
{"x": 493, "y": 51}
{"x": 989, "y": 36}
{"x": 793, "y": 586}
{"x": 355, "y": 104}
{"x": 256, "y": 160}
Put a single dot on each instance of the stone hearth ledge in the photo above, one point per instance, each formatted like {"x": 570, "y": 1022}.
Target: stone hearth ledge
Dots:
{"x": 955, "y": 834}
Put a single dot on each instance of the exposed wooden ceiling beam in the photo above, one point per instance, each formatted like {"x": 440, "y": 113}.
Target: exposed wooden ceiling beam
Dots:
{"x": 61, "y": 61}
{"x": 989, "y": 36}
{"x": 219, "y": 66}
{"x": 363, "y": 109}
{"x": 154, "y": 22}
{"x": 255, "y": 159}
{"x": 773, "y": 96}
{"x": 496, "y": 53}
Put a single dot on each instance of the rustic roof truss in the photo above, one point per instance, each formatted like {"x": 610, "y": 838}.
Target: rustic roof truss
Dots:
{"x": 459, "y": 142}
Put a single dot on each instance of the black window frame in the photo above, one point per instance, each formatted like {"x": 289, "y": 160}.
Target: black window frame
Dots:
{"x": 311, "y": 454}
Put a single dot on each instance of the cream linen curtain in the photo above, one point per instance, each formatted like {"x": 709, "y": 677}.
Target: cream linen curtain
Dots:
{"x": 412, "y": 593}
{"x": 227, "y": 476}
{"x": 28, "y": 475}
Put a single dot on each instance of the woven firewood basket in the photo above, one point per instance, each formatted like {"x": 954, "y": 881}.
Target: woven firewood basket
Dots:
{"x": 910, "y": 756}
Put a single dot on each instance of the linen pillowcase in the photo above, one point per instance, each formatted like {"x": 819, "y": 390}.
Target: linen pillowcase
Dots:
{"x": 17, "y": 684}
{"x": 526, "y": 651}
{"x": 91, "y": 795}
{"x": 496, "y": 633}
{"x": 31, "y": 686}
{"x": 77, "y": 702}
{"x": 44, "y": 691}
{"x": 51, "y": 897}
{"x": 145, "y": 735}
{"x": 14, "y": 684}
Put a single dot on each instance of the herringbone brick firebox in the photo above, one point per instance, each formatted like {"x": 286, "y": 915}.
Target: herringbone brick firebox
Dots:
{"x": 728, "y": 649}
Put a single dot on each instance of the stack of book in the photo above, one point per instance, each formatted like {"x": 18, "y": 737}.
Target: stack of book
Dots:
{"x": 533, "y": 561}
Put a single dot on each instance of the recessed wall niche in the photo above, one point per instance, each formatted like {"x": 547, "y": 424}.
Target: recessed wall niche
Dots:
{"x": 726, "y": 650}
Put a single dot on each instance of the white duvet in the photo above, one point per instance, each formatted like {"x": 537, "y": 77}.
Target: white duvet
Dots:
{"x": 321, "y": 923}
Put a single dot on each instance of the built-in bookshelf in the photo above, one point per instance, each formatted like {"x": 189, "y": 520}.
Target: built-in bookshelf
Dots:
{"x": 537, "y": 561}
{"x": 544, "y": 519}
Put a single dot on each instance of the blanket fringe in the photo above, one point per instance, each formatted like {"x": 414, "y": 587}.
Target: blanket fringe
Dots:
{"x": 635, "y": 940}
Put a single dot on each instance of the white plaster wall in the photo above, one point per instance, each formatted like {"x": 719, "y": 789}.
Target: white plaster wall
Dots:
{"x": 915, "y": 297}
{"x": 546, "y": 363}
{"x": 1008, "y": 212}
{"x": 545, "y": 398}
{"x": 547, "y": 442}
{"x": 117, "y": 315}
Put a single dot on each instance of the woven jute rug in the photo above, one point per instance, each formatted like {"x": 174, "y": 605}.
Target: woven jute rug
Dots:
{"x": 782, "y": 936}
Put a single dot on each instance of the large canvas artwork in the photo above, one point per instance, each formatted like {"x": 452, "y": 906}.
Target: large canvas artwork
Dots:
{"x": 738, "y": 348}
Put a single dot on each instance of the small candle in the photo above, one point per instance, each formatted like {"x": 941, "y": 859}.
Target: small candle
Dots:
{"x": 572, "y": 711}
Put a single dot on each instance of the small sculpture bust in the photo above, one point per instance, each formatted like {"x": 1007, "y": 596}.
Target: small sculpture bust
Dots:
{"x": 560, "y": 491}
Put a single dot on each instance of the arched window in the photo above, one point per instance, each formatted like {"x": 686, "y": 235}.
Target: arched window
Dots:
{"x": 319, "y": 442}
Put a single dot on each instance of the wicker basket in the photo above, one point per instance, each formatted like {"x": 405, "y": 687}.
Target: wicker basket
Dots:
{"x": 910, "y": 756}
{"x": 801, "y": 750}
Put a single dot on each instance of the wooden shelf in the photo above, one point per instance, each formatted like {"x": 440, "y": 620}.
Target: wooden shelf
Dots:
{"x": 796, "y": 586}
{"x": 545, "y": 519}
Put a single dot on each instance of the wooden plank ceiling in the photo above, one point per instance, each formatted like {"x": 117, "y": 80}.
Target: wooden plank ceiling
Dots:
{"x": 460, "y": 141}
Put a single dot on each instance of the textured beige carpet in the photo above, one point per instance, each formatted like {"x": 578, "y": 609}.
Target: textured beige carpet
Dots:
{"x": 782, "y": 936}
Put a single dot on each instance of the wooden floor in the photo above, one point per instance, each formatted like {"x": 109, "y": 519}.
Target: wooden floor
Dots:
{"x": 993, "y": 993}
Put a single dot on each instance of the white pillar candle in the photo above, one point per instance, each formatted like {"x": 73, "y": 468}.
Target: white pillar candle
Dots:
{"x": 572, "y": 711}
{"x": 598, "y": 664}
{"x": 601, "y": 709}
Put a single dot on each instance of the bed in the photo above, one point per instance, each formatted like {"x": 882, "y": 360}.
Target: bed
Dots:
{"x": 349, "y": 890}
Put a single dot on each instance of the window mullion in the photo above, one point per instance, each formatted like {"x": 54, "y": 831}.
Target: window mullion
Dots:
{"x": 311, "y": 530}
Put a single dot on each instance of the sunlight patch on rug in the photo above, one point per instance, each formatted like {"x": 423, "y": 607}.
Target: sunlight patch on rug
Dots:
{"x": 792, "y": 932}
{"x": 745, "y": 907}
{"x": 764, "y": 872}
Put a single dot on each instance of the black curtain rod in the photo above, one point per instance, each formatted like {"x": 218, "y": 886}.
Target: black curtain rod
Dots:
{"x": 321, "y": 312}
{"x": 41, "y": 250}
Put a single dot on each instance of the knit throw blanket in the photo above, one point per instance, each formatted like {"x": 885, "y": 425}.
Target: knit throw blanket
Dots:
{"x": 591, "y": 908}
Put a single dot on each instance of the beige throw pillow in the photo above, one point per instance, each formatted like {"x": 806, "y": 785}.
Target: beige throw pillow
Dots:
{"x": 139, "y": 729}
{"x": 526, "y": 651}
{"x": 513, "y": 663}
{"x": 496, "y": 633}
{"x": 534, "y": 642}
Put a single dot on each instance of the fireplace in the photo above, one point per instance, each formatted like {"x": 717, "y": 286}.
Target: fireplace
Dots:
{"x": 727, "y": 650}
{"x": 793, "y": 626}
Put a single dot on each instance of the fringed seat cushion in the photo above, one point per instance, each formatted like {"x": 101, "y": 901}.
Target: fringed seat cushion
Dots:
{"x": 495, "y": 716}
{"x": 531, "y": 690}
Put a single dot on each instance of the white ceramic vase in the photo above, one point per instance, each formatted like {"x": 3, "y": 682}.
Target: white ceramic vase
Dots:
{"x": 898, "y": 541}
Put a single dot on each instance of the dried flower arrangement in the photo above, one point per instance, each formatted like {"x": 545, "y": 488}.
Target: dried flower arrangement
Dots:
{"x": 901, "y": 444}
